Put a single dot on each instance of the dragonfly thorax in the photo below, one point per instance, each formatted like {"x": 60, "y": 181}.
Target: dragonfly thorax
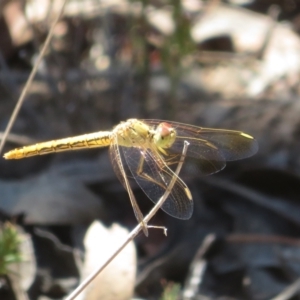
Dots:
{"x": 133, "y": 133}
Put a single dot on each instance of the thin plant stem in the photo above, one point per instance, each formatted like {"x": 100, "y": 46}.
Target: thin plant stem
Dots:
{"x": 30, "y": 79}
{"x": 135, "y": 231}
{"x": 289, "y": 292}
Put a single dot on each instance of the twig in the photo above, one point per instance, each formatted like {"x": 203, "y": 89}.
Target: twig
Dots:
{"x": 289, "y": 292}
{"x": 275, "y": 204}
{"x": 135, "y": 231}
{"x": 30, "y": 79}
{"x": 199, "y": 265}
{"x": 18, "y": 139}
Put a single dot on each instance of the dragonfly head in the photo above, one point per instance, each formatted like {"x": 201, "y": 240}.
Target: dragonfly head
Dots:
{"x": 165, "y": 135}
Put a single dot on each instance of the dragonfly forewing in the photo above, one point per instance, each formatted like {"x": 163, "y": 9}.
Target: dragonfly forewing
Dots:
{"x": 210, "y": 148}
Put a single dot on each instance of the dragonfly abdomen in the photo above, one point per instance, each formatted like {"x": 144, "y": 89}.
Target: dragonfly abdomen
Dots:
{"x": 91, "y": 140}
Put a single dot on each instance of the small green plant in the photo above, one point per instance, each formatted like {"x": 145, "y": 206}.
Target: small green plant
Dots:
{"x": 9, "y": 247}
{"x": 171, "y": 291}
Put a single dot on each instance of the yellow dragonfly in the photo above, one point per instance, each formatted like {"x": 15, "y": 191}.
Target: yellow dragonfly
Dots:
{"x": 149, "y": 150}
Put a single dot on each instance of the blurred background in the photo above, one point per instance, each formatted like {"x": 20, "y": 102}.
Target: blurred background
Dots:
{"x": 221, "y": 64}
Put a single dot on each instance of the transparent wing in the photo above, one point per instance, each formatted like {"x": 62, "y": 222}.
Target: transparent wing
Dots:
{"x": 209, "y": 148}
{"x": 118, "y": 166}
{"x": 154, "y": 177}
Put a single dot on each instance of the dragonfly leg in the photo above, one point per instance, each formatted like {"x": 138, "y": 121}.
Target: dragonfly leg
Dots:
{"x": 145, "y": 176}
{"x": 163, "y": 183}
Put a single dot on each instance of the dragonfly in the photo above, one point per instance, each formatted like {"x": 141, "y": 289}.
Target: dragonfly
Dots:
{"x": 149, "y": 151}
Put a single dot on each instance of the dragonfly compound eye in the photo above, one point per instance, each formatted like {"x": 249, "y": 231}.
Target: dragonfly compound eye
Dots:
{"x": 165, "y": 135}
